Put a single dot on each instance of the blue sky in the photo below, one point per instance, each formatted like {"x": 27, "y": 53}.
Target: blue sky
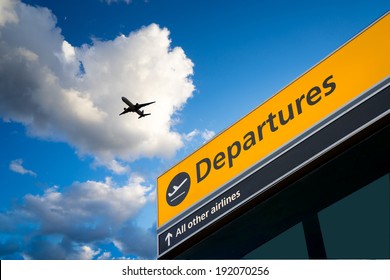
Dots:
{"x": 77, "y": 180}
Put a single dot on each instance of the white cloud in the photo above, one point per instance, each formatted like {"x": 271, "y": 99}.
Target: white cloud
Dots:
{"x": 7, "y": 12}
{"x": 191, "y": 135}
{"x": 85, "y": 253}
{"x": 114, "y": 165}
{"x": 87, "y": 205}
{"x": 71, "y": 223}
{"x": 207, "y": 135}
{"x": 105, "y": 256}
{"x": 68, "y": 52}
{"x": 63, "y": 93}
{"x": 196, "y": 138}
{"x": 17, "y": 166}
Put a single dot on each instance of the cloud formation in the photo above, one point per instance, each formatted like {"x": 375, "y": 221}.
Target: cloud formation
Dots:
{"x": 7, "y": 12}
{"x": 71, "y": 223}
{"x": 63, "y": 93}
{"x": 17, "y": 166}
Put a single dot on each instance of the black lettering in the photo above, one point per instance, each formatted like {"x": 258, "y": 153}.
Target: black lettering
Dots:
{"x": 312, "y": 94}
{"x": 331, "y": 85}
{"x": 260, "y": 131}
{"x": 298, "y": 103}
{"x": 285, "y": 115}
{"x": 290, "y": 115}
{"x": 251, "y": 141}
{"x": 219, "y": 160}
{"x": 270, "y": 120}
{"x": 230, "y": 154}
{"x": 200, "y": 177}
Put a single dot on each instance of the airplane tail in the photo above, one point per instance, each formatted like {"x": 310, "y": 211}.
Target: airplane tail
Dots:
{"x": 143, "y": 115}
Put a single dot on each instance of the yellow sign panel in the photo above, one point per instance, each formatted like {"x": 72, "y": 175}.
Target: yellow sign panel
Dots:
{"x": 334, "y": 82}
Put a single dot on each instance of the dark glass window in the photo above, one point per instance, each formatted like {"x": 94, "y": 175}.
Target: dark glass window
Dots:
{"x": 358, "y": 226}
{"x": 290, "y": 244}
{"x": 355, "y": 227}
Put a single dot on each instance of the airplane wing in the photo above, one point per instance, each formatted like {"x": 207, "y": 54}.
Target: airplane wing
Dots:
{"x": 124, "y": 112}
{"x": 144, "y": 104}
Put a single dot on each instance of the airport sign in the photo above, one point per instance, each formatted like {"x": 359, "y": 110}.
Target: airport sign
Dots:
{"x": 326, "y": 88}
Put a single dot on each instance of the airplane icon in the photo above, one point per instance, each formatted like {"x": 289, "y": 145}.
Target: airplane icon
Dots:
{"x": 176, "y": 188}
{"x": 135, "y": 108}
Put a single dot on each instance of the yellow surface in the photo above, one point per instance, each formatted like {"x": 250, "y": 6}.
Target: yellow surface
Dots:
{"x": 340, "y": 78}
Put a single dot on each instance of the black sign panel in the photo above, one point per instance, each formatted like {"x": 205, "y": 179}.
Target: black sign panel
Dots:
{"x": 200, "y": 218}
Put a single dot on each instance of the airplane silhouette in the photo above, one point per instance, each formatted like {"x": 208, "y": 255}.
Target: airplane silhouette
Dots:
{"x": 135, "y": 108}
{"x": 176, "y": 188}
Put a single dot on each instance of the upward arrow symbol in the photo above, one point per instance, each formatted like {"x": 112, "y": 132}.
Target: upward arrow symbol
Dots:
{"x": 168, "y": 238}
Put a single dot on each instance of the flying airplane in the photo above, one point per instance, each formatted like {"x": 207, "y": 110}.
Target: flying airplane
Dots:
{"x": 135, "y": 108}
